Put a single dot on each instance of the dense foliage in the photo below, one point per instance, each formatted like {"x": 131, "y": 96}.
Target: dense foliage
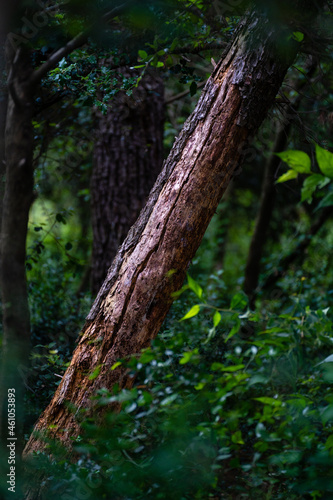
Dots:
{"x": 210, "y": 417}
{"x": 230, "y": 401}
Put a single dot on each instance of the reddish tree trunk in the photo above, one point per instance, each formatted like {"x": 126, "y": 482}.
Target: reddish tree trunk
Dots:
{"x": 152, "y": 261}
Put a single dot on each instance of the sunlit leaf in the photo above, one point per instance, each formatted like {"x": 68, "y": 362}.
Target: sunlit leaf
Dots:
{"x": 297, "y": 160}
{"x": 291, "y": 174}
{"x": 186, "y": 357}
{"x": 237, "y": 438}
{"x": 325, "y": 161}
{"x": 233, "y": 368}
{"x": 192, "y": 312}
{"x": 115, "y": 365}
{"x": 298, "y": 36}
{"x": 194, "y": 286}
{"x": 217, "y": 318}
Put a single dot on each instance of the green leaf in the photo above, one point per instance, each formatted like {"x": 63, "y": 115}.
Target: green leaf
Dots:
{"x": 159, "y": 64}
{"x": 211, "y": 334}
{"x": 325, "y": 161}
{"x": 239, "y": 300}
{"x": 169, "y": 399}
{"x": 329, "y": 359}
{"x": 138, "y": 81}
{"x": 327, "y": 201}
{"x": 329, "y": 442}
{"x": 142, "y": 54}
{"x": 297, "y": 160}
{"x": 61, "y": 218}
{"x": 199, "y": 386}
{"x": 193, "y": 88}
{"x": 310, "y": 185}
{"x": 217, "y": 366}
{"x": 147, "y": 356}
{"x": 95, "y": 373}
{"x": 237, "y": 438}
{"x": 291, "y": 174}
{"x": 234, "y": 330}
{"x": 233, "y": 368}
{"x": 115, "y": 365}
{"x": 192, "y": 312}
{"x": 269, "y": 401}
{"x": 298, "y": 36}
{"x": 327, "y": 414}
{"x": 186, "y": 357}
{"x": 217, "y": 318}
{"x": 194, "y": 286}
{"x": 177, "y": 293}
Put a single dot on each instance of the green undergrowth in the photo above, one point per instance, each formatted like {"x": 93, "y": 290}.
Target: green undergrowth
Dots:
{"x": 226, "y": 404}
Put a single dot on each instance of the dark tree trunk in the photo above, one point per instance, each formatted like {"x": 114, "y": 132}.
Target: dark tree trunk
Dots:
{"x": 152, "y": 261}
{"x": 267, "y": 200}
{"x": 4, "y": 28}
{"x": 128, "y": 156}
{"x": 266, "y": 206}
{"x": 16, "y": 204}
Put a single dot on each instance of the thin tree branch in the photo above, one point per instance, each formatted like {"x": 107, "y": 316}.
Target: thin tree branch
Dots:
{"x": 183, "y": 94}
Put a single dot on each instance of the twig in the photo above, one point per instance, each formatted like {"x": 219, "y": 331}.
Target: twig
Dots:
{"x": 183, "y": 94}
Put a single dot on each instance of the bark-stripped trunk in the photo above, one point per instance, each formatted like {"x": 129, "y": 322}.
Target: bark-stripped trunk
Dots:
{"x": 128, "y": 157}
{"x": 152, "y": 261}
{"x": 267, "y": 199}
{"x": 16, "y": 204}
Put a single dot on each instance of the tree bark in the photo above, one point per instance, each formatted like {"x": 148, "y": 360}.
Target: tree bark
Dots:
{"x": 151, "y": 263}
{"x": 3, "y": 111}
{"x": 128, "y": 156}
{"x": 17, "y": 200}
{"x": 267, "y": 199}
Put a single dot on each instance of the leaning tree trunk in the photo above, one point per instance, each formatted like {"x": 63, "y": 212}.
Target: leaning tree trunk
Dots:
{"x": 128, "y": 157}
{"x": 151, "y": 263}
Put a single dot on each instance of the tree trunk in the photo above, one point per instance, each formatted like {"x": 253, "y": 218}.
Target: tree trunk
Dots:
{"x": 3, "y": 110}
{"x": 267, "y": 200}
{"x": 128, "y": 156}
{"x": 16, "y": 204}
{"x": 152, "y": 261}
